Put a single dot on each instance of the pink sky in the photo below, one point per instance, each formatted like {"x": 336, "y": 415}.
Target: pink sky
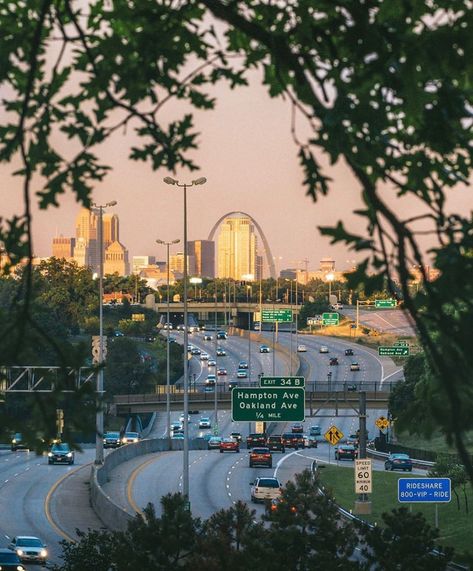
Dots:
{"x": 250, "y": 161}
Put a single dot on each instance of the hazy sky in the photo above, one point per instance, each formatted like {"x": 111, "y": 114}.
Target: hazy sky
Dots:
{"x": 250, "y": 161}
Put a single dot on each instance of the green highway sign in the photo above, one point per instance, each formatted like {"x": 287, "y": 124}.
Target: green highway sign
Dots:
{"x": 330, "y": 318}
{"x": 401, "y": 344}
{"x": 385, "y": 303}
{"x": 268, "y": 404}
{"x": 396, "y": 351}
{"x": 272, "y": 315}
{"x": 282, "y": 382}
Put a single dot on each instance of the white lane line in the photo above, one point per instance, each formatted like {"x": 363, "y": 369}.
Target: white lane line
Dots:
{"x": 283, "y": 459}
{"x": 390, "y": 375}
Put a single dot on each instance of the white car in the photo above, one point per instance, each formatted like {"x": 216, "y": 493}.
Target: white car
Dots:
{"x": 29, "y": 548}
{"x": 204, "y": 422}
{"x": 265, "y": 489}
{"x": 211, "y": 363}
{"x": 323, "y": 349}
{"x": 301, "y": 349}
{"x": 204, "y": 357}
{"x": 354, "y": 367}
{"x": 181, "y": 418}
{"x": 176, "y": 426}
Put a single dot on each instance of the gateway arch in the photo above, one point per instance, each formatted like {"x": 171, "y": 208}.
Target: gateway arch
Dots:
{"x": 267, "y": 249}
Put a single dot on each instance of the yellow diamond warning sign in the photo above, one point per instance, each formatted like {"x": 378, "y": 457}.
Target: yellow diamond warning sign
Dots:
{"x": 333, "y": 435}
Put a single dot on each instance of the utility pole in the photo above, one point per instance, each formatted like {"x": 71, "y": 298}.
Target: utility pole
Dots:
{"x": 362, "y": 504}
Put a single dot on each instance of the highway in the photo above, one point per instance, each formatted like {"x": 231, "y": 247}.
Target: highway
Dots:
{"x": 394, "y": 321}
{"x": 218, "y": 480}
{"x": 29, "y": 492}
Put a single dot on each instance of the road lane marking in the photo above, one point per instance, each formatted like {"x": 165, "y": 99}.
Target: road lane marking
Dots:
{"x": 47, "y": 502}
{"x": 131, "y": 481}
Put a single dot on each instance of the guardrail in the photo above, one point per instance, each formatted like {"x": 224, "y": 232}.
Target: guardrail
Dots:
{"x": 377, "y": 455}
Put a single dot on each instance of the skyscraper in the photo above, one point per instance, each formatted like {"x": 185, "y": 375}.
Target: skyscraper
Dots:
{"x": 86, "y": 239}
{"x": 63, "y": 247}
{"x": 236, "y": 248}
{"x": 204, "y": 255}
{"x": 110, "y": 229}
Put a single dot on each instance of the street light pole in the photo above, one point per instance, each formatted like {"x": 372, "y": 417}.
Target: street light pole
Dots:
{"x": 185, "y": 463}
{"x": 168, "y": 356}
{"x": 99, "y": 455}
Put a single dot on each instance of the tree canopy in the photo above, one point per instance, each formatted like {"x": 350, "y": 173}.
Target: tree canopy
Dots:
{"x": 384, "y": 88}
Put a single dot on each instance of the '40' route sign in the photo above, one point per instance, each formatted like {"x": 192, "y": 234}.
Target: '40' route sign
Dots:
{"x": 268, "y": 404}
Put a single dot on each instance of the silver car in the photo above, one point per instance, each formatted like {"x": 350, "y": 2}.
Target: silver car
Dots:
{"x": 29, "y": 548}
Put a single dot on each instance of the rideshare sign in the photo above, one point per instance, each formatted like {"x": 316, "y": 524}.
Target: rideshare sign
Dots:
{"x": 418, "y": 490}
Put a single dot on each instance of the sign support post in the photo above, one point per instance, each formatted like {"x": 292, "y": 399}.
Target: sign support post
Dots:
{"x": 362, "y": 504}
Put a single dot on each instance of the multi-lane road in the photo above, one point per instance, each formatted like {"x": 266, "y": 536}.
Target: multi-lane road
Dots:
{"x": 30, "y": 489}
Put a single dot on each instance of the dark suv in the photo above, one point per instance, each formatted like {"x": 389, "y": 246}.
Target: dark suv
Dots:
{"x": 256, "y": 439}
{"x": 60, "y": 453}
{"x": 292, "y": 440}
{"x": 275, "y": 443}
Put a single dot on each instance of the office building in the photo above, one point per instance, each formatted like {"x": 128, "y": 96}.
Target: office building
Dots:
{"x": 116, "y": 260}
{"x": 203, "y": 252}
{"x": 176, "y": 264}
{"x": 237, "y": 245}
{"x": 140, "y": 262}
{"x": 63, "y": 248}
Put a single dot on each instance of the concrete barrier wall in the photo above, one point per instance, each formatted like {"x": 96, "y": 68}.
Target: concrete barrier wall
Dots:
{"x": 111, "y": 514}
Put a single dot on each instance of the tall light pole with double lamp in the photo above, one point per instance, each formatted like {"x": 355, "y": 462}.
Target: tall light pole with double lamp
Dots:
{"x": 185, "y": 468}
{"x": 99, "y": 415}
{"x": 168, "y": 356}
{"x": 330, "y": 277}
{"x": 248, "y": 278}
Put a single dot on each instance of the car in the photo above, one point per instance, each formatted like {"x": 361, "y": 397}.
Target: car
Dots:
{"x": 118, "y": 334}
{"x": 178, "y": 436}
{"x": 209, "y": 389}
{"x": 211, "y": 363}
{"x": 17, "y": 442}
{"x": 182, "y": 417}
{"x": 195, "y": 351}
{"x": 333, "y": 361}
{"x": 111, "y": 440}
{"x": 261, "y": 457}
{"x": 208, "y": 337}
{"x": 131, "y": 438}
{"x": 301, "y": 349}
{"x": 336, "y": 306}
{"x": 291, "y": 440}
{"x": 168, "y": 326}
{"x": 398, "y": 462}
{"x": 265, "y": 489}
{"x": 181, "y": 327}
{"x": 243, "y": 365}
{"x": 176, "y": 426}
{"x": 323, "y": 349}
{"x": 172, "y": 339}
{"x": 353, "y": 441}
{"x": 204, "y": 422}
{"x": 315, "y": 430}
{"x": 221, "y": 371}
{"x": 257, "y": 326}
{"x": 229, "y": 445}
{"x": 354, "y": 367}
{"x": 242, "y": 374}
{"x": 28, "y": 548}
{"x": 264, "y": 349}
{"x": 275, "y": 443}
{"x": 60, "y": 453}
{"x": 221, "y": 352}
{"x": 348, "y": 352}
{"x": 297, "y": 427}
{"x": 9, "y": 560}
{"x": 352, "y": 387}
{"x": 211, "y": 380}
{"x": 214, "y": 442}
{"x": 204, "y": 356}
{"x": 309, "y": 441}
{"x": 221, "y": 335}
{"x": 345, "y": 451}
{"x": 236, "y": 436}
{"x": 232, "y": 385}
{"x": 256, "y": 439}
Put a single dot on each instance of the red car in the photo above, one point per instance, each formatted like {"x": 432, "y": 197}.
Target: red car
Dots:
{"x": 261, "y": 457}
{"x": 229, "y": 445}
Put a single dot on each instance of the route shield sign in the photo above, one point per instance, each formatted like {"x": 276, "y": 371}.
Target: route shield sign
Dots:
{"x": 280, "y": 315}
{"x": 330, "y": 318}
{"x": 385, "y": 303}
{"x": 282, "y": 382}
{"x": 395, "y": 351}
{"x": 428, "y": 490}
{"x": 333, "y": 435}
{"x": 268, "y": 404}
{"x": 382, "y": 423}
{"x": 363, "y": 476}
